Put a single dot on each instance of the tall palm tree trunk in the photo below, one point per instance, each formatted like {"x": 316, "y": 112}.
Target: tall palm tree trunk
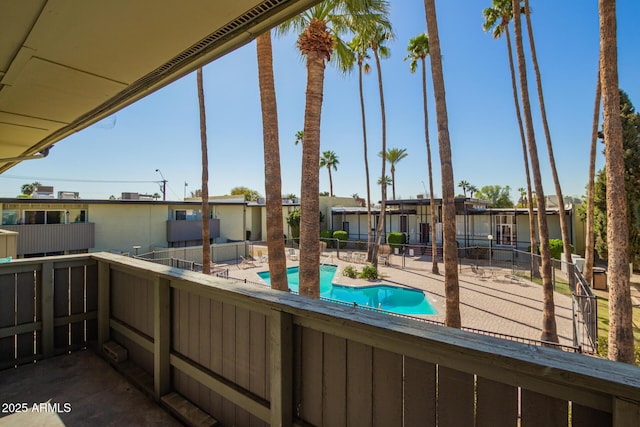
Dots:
{"x": 589, "y": 251}
{"x": 549, "y": 328}
{"x": 206, "y": 244}
{"x": 564, "y": 226}
{"x": 451, "y": 285}
{"x": 309, "y": 201}
{"x": 330, "y": 181}
{"x": 393, "y": 182}
{"x": 432, "y": 200}
{"x": 620, "y": 323}
{"x": 366, "y": 163}
{"x": 383, "y": 204}
{"x": 272, "y": 177}
{"x": 532, "y": 218}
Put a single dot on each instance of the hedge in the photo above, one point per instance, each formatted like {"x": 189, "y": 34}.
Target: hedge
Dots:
{"x": 342, "y": 236}
{"x": 396, "y": 239}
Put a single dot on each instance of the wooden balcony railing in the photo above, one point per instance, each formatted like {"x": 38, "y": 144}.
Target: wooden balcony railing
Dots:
{"x": 43, "y": 238}
{"x": 248, "y": 355}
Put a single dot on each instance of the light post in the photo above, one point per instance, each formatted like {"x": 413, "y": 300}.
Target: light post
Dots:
{"x": 136, "y": 248}
{"x": 164, "y": 186}
{"x": 490, "y": 237}
{"x": 185, "y": 190}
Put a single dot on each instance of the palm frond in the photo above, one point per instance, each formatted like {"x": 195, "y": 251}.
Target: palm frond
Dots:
{"x": 418, "y": 48}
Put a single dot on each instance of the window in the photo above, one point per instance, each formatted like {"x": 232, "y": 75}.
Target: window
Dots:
{"x": 506, "y": 230}
{"x": 188, "y": 214}
{"x": 34, "y": 217}
{"x": 345, "y": 226}
{"x": 55, "y": 217}
{"x": 10, "y": 217}
{"x": 44, "y": 217}
{"x": 77, "y": 215}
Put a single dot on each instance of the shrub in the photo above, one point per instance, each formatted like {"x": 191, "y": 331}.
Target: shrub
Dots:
{"x": 369, "y": 272}
{"x": 556, "y": 248}
{"x": 555, "y": 245}
{"x": 350, "y": 271}
{"x": 360, "y": 245}
{"x": 327, "y": 236}
{"x": 342, "y": 236}
{"x": 396, "y": 240}
{"x": 293, "y": 219}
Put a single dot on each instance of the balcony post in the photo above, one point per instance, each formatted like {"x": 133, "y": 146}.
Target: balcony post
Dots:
{"x": 626, "y": 413}
{"x": 281, "y": 370}
{"x": 47, "y": 310}
{"x": 104, "y": 303}
{"x": 161, "y": 337}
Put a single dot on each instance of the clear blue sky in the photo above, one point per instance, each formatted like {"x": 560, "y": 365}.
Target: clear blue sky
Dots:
{"x": 162, "y": 130}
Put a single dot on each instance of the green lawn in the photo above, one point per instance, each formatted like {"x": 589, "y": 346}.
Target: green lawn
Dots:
{"x": 603, "y": 316}
{"x": 562, "y": 287}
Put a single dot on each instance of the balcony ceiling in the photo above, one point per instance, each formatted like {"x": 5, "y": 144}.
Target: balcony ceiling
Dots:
{"x": 67, "y": 64}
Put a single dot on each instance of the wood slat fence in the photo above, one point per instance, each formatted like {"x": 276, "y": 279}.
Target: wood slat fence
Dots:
{"x": 251, "y": 356}
{"x": 47, "y": 307}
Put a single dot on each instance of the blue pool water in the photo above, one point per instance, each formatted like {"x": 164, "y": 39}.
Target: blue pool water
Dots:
{"x": 386, "y": 297}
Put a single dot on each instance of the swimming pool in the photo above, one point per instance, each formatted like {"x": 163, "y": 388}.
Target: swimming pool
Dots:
{"x": 383, "y": 296}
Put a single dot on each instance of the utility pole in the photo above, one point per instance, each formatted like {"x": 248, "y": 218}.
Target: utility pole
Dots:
{"x": 164, "y": 185}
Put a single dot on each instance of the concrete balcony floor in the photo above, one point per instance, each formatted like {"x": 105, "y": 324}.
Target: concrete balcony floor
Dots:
{"x": 95, "y": 394}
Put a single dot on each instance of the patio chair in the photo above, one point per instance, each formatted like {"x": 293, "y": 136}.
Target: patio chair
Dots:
{"x": 292, "y": 255}
{"x": 384, "y": 254}
{"x": 478, "y": 271}
{"x": 246, "y": 262}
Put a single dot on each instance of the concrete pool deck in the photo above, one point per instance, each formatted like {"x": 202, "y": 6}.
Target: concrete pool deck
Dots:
{"x": 494, "y": 304}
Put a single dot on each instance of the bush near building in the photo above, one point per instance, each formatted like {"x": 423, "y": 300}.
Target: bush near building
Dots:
{"x": 396, "y": 239}
{"x": 342, "y": 236}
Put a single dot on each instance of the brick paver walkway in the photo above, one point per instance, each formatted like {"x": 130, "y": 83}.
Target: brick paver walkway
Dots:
{"x": 495, "y": 304}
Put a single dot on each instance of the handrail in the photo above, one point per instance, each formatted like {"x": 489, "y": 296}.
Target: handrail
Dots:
{"x": 264, "y": 299}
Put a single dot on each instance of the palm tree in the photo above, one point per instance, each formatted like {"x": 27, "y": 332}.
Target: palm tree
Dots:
{"x": 320, "y": 28}
{"x": 620, "y": 322}
{"x": 359, "y": 50}
{"x": 451, "y": 285}
{"x": 549, "y": 329}
{"x": 498, "y": 18}
{"x": 377, "y": 36}
{"x": 523, "y": 196}
{"x": 329, "y": 160}
{"x": 206, "y": 240}
{"x": 464, "y": 185}
{"x": 564, "y": 222}
{"x": 472, "y": 190}
{"x": 387, "y": 181}
{"x": 419, "y": 49}
{"x": 589, "y": 251}
{"x": 393, "y": 156}
{"x": 272, "y": 176}
{"x": 299, "y": 137}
